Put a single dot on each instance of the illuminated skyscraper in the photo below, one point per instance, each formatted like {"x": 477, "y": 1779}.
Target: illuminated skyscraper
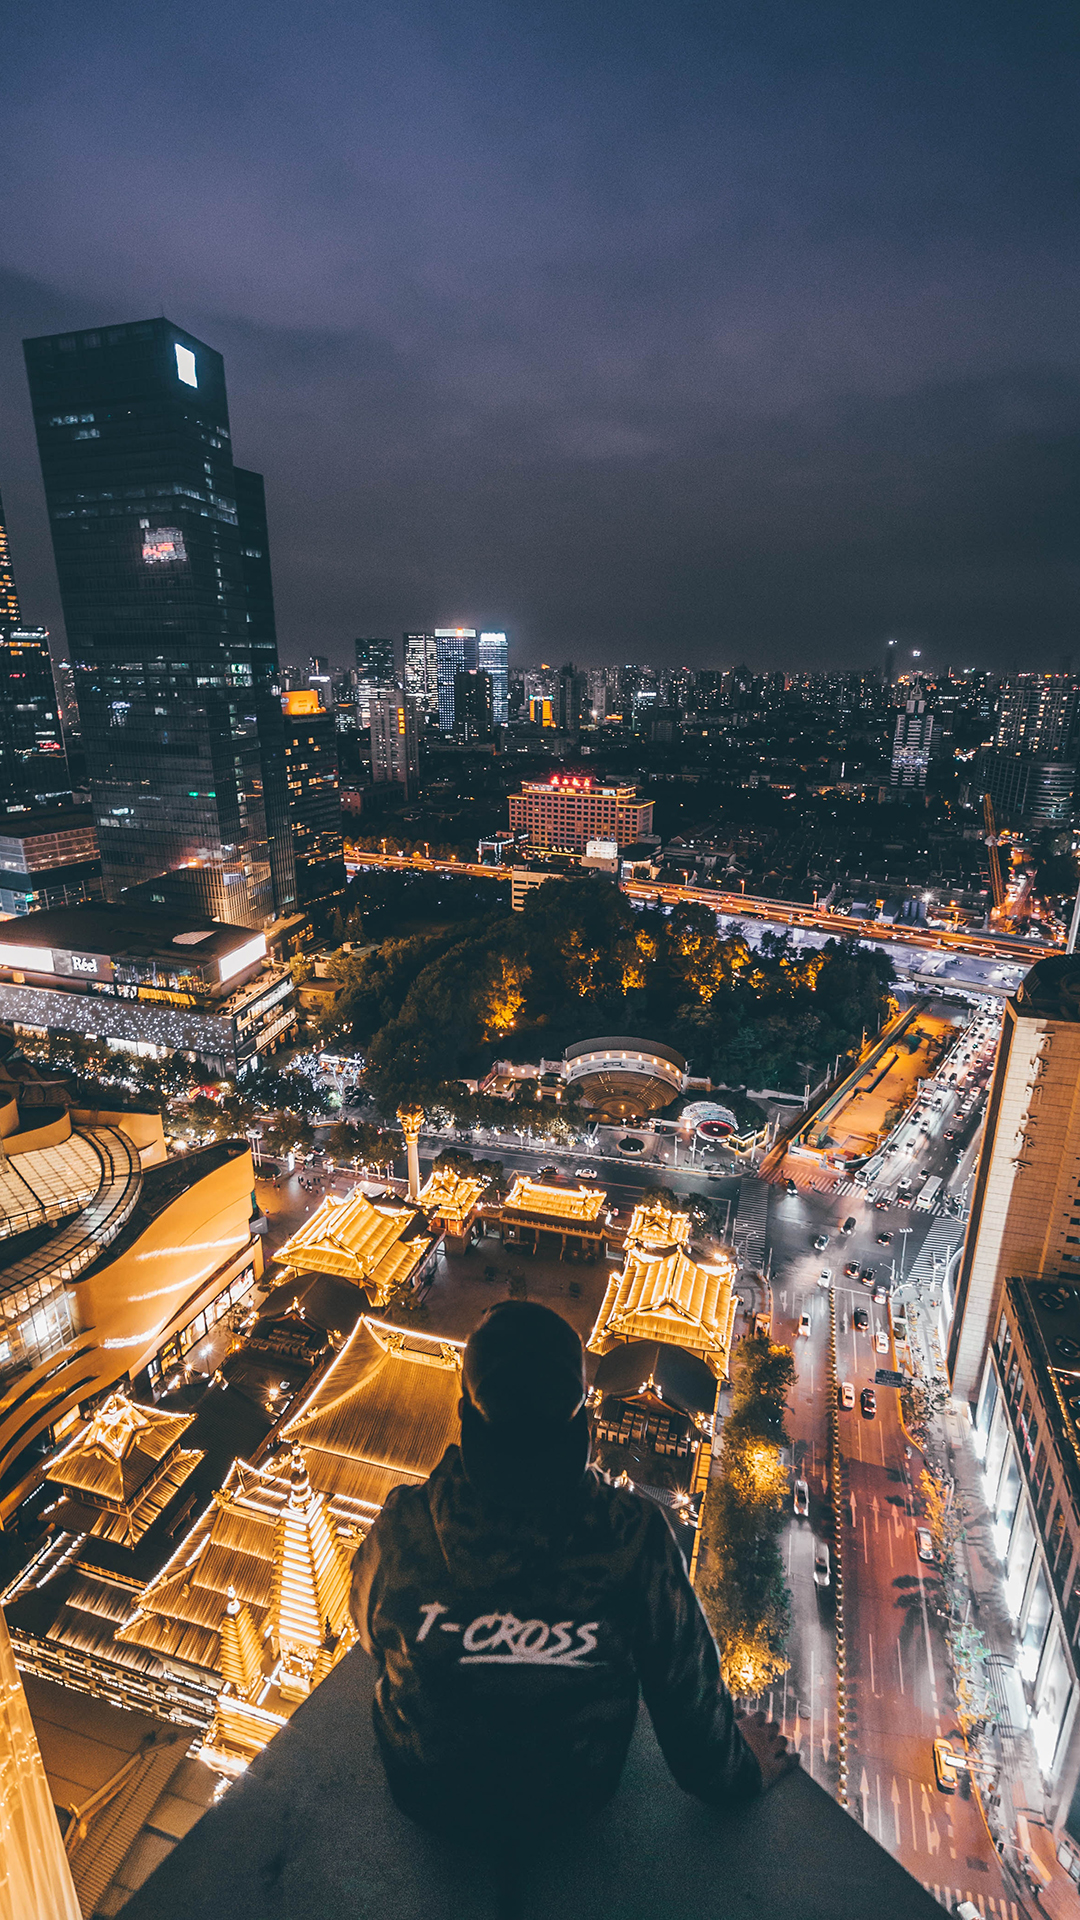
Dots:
{"x": 314, "y": 798}
{"x": 9, "y": 599}
{"x": 162, "y": 559}
{"x": 493, "y": 660}
{"x": 395, "y": 751}
{"x": 421, "y": 670}
{"x": 455, "y": 652}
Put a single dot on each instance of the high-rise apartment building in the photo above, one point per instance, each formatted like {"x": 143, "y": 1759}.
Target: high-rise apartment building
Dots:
{"x": 174, "y": 667}
{"x": 1025, "y": 1209}
{"x": 455, "y": 652}
{"x": 10, "y": 615}
{"x": 376, "y": 664}
{"x": 913, "y": 738}
{"x": 1039, "y": 714}
{"x": 421, "y": 670}
{"x": 33, "y": 765}
{"x": 566, "y": 812}
{"x": 474, "y": 705}
{"x": 314, "y": 799}
{"x": 395, "y": 749}
{"x": 493, "y": 658}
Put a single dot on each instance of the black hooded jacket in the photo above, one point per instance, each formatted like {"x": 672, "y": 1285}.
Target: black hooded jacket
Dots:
{"x": 510, "y": 1645}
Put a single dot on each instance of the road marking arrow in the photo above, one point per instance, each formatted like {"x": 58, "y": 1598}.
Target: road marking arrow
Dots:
{"x": 875, "y": 1510}
{"x": 864, "y": 1796}
{"x": 825, "y": 1733}
{"x": 851, "y": 1497}
{"x": 895, "y": 1798}
{"x": 796, "y": 1733}
{"x": 933, "y": 1837}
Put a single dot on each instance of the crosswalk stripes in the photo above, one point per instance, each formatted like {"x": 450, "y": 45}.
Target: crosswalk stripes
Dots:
{"x": 991, "y": 1909}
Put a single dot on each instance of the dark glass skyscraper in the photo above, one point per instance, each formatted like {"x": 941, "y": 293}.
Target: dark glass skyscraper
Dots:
{"x": 163, "y": 563}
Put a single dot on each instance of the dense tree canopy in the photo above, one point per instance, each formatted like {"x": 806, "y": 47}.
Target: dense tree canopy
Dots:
{"x": 580, "y": 959}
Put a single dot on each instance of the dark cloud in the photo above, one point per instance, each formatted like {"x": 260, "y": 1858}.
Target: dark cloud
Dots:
{"x": 706, "y": 330}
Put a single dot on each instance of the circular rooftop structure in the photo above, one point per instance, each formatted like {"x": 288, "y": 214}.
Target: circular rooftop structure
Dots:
{"x": 625, "y": 1079}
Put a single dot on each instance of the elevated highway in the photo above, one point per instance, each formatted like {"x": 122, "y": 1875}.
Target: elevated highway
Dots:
{"x": 747, "y": 906}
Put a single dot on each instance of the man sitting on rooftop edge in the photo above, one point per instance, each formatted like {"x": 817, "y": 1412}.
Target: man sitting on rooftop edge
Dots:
{"x": 515, "y": 1604}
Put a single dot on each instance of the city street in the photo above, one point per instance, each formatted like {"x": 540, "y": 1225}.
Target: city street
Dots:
{"x": 897, "y": 1679}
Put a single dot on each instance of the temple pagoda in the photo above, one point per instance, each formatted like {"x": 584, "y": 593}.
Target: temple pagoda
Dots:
{"x": 665, "y": 1291}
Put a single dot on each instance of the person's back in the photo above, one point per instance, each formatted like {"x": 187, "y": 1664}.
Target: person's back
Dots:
{"x": 515, "y": 1602}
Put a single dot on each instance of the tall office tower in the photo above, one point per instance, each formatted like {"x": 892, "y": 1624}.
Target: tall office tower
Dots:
{"x": 9, "y": 599}
{"x": 376, "y": 664}
{"x": 311, "y": 761}
{"x": 913, "y": 739}
{"x": 33, "y": 764}
{"x": 455, "y": 652}
{"x": 320, "y": 679}
{"x": 395, "y": 749}
{"x": 474, "y": 705}
{"x": 1039, "y": 714}
{"x": 492, "y": 658}
{"x": 515, "y": 696}
{"x": 572, "y": 694}
{"x": 1025, "y": 1209}
{"x": 133, "y": 432}
{"x": 262, "y": 634}
{"x": 421, "y": 670}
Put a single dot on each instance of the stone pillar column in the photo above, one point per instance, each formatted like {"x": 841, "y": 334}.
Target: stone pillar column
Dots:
{"x": 412, "y": 1119}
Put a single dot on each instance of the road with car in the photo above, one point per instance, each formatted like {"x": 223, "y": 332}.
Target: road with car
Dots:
{"x": 897, "y": 1679}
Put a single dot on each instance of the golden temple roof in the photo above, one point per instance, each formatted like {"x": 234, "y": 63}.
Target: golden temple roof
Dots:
{"x": 382, "y": 1414}
{"x": 663, "y": 1293}
{"x": 561, "y": 1206}
{"x": 378, "y": 1244}
{"x": 230, "y": 1552}
{"x": 120, "y": 1451}
{"x": 450, "y": 1194}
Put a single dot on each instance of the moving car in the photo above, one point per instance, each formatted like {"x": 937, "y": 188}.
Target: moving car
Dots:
{"x": 584, "y": 1173}
{"x": 868, "y": 1402}
{"x": 860, "y": 1319}
{"x": 880, "y": 1291}
{"x": 847, "y": 1396}
{"x": 949, "y": 1134}
{"x": 804, "y": 1323}
{"x": 851, "y": 1269}
{"x": 945, "y": 1766}
{"x": 548, "y": 1173}
{"x": 822, "y": 1568}
{"x": 924, "y": 1545}
{"x": 801, "y": 1501}
{"x": 821, "y": 1241}
{"x": 824, "y": 1278}
{"x": 791, "y": 1189}
{"x": 884, "y": 1239}
{"x": 881, "y": 1342}
{"x": 849, "y": 1224}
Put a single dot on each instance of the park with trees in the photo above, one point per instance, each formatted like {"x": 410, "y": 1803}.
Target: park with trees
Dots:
{"x": 434, "y": 1006}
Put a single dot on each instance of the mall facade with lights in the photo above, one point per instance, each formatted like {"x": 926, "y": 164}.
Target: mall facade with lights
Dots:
{"x": 147, "y": 981}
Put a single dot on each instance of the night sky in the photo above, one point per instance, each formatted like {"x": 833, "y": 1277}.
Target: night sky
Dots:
{"x": 693, "y": 333}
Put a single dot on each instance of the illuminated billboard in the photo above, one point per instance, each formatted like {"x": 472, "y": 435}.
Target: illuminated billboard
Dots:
{"x": 185, "y": 365}
{"x": 162, "y": 545}
{"x": 245, "y": 956}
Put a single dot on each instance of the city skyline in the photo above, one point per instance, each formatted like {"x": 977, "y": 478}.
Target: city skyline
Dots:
{"x": 730, "y": 338}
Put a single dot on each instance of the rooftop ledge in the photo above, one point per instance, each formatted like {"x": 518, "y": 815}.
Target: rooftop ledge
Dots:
{"x": 310, "y": 1832}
